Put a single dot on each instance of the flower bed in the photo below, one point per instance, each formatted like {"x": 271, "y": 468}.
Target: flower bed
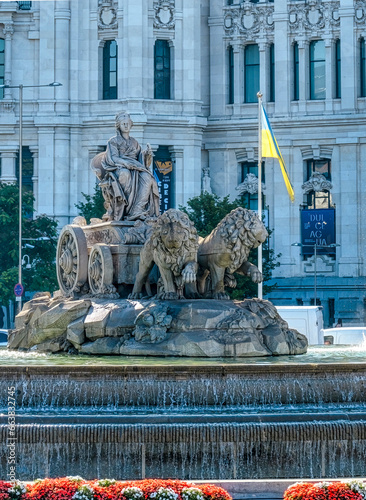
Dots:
{"x": 76, "y": 488}
{"x": 353, "y": 490}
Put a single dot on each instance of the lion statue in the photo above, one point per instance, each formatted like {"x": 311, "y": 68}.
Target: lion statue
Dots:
{"x": 226, "y": 250}
{"x": 172, "y": 246}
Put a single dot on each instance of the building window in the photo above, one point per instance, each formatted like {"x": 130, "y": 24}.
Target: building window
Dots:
{"x": 362, "y": 68}
{"x": 162, "y": 70}
{"x": 251, "y": 68}
{"x": 25, "y": 5}
{"x": 2, "y": 66}
{"x": 296, "y": 71}
{"x": 272, "y": 88}
{"x": 338, "y": 69}
{"x": 319, "y": 199}
{"x": 110, "y": 70}
{"x": 317, "y": 70}
{"x": 27, "y": 169}
{"x": 231, "y": 74}
{"x": 251, "y": 200}
{"x": 322, "y": 166}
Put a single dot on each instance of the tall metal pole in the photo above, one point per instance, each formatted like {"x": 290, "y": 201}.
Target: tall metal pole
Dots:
{"x": 20, "y": 186}
{"x": 315, "y": 257}
{"x": 260, "y": 95}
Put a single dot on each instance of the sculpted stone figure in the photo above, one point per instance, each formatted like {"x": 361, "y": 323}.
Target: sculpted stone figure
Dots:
{"x": 173, "y": 247}
{"x": 129, "y": 188}
{"x": 226, "y": 250}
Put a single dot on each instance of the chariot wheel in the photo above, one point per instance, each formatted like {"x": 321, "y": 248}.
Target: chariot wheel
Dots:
{"x": 71, "y": 260}
{"x": 100, "y": 269}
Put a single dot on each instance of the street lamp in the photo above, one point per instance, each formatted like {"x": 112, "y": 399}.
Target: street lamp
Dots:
{"x": 21, "y": 87}
{"x": 315, "y": 246}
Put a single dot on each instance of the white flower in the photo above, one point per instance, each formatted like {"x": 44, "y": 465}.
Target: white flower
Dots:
{"x": 17, "y": 490}
{"x": 77, "y": 479}
{"x": 192, "y": 494}
{"x": 165, "y": 494}
{"x": 357, "y": 487}
{"x": 133, "y": 493}
{"x": 323, "y": 485}
{"x": 106, "y": 482}
{"x": 84, "y": 492}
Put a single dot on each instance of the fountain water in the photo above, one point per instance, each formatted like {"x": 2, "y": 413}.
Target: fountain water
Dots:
{"x": 194, "y": 421}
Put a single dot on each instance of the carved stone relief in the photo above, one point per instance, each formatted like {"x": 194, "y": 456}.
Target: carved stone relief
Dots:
{"x": 250, "y": 185}
{"x": 164, "y": 14}
{"x": 360, "y": 12}
{"x": 248, "y": 20}
{"x": 107, "y": 15}
{"x": 314, "y": 16}
{"x": 324, "y": 264}
{"x": 317, "y": 182}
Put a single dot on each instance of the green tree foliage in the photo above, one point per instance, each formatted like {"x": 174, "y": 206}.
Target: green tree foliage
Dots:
{"x": 39, "y": 233}
{"x": 93, "y": 207}
{"x": 206, "y": 211}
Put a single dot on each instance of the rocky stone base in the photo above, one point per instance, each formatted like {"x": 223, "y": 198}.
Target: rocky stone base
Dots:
{"x": 199, "y": 328}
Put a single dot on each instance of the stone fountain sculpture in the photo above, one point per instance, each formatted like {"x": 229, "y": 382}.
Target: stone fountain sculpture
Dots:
{"x": 136, "y": 283}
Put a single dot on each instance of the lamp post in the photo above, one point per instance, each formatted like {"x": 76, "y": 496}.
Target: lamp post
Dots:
{"x": 315, "y": 246}
{"x": 21, "y": 87}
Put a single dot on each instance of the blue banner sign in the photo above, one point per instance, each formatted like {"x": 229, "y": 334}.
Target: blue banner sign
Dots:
{"x": 318, "y": 228}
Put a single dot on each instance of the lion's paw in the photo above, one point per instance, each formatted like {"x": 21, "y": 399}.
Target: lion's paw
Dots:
{"x": 135, "y": 296}
{"x": 168, "y": 296}
{"x": 221, "y": 296}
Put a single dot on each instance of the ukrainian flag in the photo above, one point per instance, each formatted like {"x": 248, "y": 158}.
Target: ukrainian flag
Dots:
{"x": 270, "y": 149}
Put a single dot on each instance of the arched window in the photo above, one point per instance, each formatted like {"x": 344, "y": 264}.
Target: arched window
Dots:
{"x": 2, "y": 65}
{"x": 251, "y": 199}
{"x": 337, "y": 69}
{"x": 251, "y": 76}
{"x": 231, "y": 75}
{"x": 296, "y": 71}
{"x": 110, "y": 70}
{"x": 319, "y": 199}
{"x": 317, "y": 70}
{"x": 161, "y": 70}
{"x": 272, "y": 84}
{"x": 362, "y": 68}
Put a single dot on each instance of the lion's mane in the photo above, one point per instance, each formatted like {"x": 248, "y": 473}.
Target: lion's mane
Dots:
{"x": 176, "y": 258}
{"x": 236, "y": 229}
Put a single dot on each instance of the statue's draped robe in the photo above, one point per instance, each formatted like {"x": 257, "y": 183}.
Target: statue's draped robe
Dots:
{"x": 132, "y": 186}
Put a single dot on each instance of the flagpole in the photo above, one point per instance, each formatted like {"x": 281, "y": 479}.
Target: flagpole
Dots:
{"x": 260, "y": 95}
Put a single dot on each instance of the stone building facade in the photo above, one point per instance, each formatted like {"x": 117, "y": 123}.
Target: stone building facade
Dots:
{"x": 188, "y": 73}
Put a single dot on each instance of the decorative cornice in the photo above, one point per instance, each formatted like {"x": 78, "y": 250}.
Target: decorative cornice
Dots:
{"x": 317, "y": 182}
{"x": 314, "y": 16}
{"x": 360, "y": 13}
{"x": 164, "y": 14}
{"x": 107, "y": 15}
{"x": 248, "y": 20}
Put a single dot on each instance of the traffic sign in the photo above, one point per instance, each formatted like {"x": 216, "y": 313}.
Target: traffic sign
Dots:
{"x": 18, "y": 290}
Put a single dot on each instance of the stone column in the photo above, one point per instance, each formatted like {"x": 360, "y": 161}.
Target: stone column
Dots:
{"x": 303, "y": 73}
{"x": 8, "y": 166}
{"x": 46, "y": 170}
{"x": 282, "y": 60}
{"x": 217, "y": 65}
{"x": 34, "y": 151}
{"x": 8, "y": 32}
{"x": 238, "y": 50}
{"x": 264, "y": 70}
{"x": 178, "y": 175}
{"x": 62, "y": 54}
{"x": 329, "y": 73}
{"x": 348, "y": 56}
{"x": 192, "y": 50}
{"x": 62, "y": 175}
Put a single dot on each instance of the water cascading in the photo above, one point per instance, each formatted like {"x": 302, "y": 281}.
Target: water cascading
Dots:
{"x": 196, "y": 422}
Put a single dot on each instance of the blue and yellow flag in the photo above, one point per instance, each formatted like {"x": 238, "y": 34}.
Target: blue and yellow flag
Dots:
{"x": 270, "y": 149}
